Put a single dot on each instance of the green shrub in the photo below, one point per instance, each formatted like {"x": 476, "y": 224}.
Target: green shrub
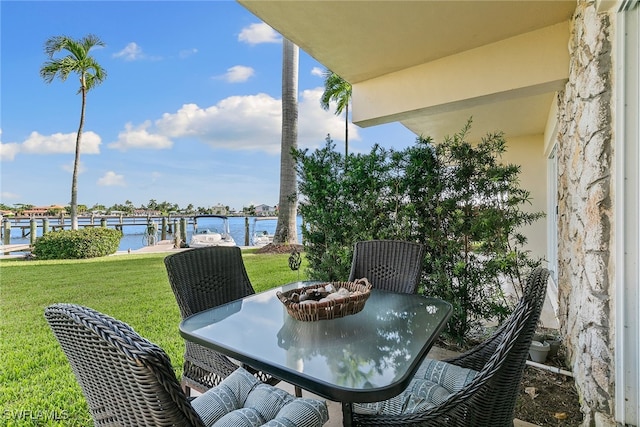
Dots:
{"x": 75, "y": 244}
{"x": 456, "y": 198}
{"x": 468, "y": 208}
{"x": 341, "y": 206}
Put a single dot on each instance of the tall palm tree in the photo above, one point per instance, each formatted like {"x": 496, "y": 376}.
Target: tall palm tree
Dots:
{"x": 90, "y": 73}
{"x": 286, "y": 229}
{"x": 339, "y": 90}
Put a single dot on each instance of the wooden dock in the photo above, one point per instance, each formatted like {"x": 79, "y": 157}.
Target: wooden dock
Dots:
{"x": 28, "y": 225}
{"x": 7, "y": 249}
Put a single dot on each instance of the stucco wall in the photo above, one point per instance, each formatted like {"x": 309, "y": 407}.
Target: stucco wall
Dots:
{"x": 527, "y": 151}
{"x": 585, "y": 159}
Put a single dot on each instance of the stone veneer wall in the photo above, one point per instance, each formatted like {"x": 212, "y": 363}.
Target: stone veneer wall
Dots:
{"x": 586, "y": 263}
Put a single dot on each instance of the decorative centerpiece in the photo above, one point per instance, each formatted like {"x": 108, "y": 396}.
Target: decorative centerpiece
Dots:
{"x": 326, "y": 300}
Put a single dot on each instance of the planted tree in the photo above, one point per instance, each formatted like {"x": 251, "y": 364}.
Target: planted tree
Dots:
{"x": 77, "y": 61}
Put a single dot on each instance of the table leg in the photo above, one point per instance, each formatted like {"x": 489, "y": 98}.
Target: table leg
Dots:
{"x": 347, "y": 414}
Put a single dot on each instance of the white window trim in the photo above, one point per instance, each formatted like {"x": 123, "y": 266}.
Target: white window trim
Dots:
{"x": 627, "y": 231}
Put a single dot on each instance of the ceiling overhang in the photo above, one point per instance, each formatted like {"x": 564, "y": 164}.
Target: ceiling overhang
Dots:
{"x": 433, "y": 64}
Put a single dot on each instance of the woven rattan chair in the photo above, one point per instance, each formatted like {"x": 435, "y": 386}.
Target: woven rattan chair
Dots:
{"x": 203, "y": 278}
{"x": 129, "y": 381}
{"x": 477, "y": 388}
{"x": 392, "y": 265}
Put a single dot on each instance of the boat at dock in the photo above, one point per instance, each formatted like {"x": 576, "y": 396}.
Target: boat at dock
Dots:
{"x": 25, "y": 230}
{"x": 260, "y": 233}
{"x": 211, "y": 230}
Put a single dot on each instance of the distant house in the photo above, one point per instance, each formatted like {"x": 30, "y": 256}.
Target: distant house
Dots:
{"x": 44, "y": 210}
{"x": 219, "y": 209}
{"x": 266, "y": 210}
{"x": 146, "y": 212}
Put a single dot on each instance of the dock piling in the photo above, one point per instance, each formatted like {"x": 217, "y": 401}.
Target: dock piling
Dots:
{"x": 6, "y": 234}
{"x": 33, "y": 227}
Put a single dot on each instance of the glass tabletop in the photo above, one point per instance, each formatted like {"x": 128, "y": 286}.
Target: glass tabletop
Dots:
{"x": 364, "y": 357}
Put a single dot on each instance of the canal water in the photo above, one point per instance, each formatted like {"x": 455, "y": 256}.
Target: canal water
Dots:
{"x": 134, "y": 235}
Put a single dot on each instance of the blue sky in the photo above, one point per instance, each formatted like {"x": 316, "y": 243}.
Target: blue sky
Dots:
{"x": 189, "y": 112}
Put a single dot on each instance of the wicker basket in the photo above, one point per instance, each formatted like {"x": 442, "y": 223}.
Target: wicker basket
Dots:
{"x": 331, "y": 309}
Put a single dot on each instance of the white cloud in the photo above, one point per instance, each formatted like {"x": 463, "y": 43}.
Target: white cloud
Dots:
{"x": 57, "y": 143}
{"x": 131, "y": 52}
{"x": 139, "y": 137}
{"x": 238, "y": 74}
{"x": 250, "y": 123}
{"x": 111, "y": 179}
{"x": 238, "y": 122}
{"x": 61, "y": 143}
{"x": 259, "y": 33}
{"x": 8, "y": 151}
{"x": 317, "y": 71}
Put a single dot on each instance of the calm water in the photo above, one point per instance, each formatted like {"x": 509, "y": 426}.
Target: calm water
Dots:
{"x": 134, "y": 234}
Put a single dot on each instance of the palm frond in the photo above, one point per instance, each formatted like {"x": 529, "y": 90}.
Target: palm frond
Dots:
{"x": 335, "y": 89}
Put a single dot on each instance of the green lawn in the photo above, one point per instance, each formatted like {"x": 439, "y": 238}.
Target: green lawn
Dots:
{"x": 37, "y": 386}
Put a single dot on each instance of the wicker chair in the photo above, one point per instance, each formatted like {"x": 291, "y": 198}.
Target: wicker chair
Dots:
{"x": 391, "y": 265}
{"x": 203, "y": 278}
{"x": 129, "y": 381}
{"x": 477, "y": 388}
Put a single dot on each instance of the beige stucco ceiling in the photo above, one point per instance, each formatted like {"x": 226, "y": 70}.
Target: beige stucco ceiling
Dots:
{"x": 372, "y": 44}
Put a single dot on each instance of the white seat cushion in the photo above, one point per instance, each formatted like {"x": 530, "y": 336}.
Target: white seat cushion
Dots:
{"x": 241, "y": 400}
{"x": 432, "y": 384}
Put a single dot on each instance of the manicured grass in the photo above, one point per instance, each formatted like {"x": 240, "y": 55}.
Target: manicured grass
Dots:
{"x": 37, "y": 386}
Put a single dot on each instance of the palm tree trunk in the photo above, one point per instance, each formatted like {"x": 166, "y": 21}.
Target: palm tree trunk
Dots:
{"x": 286, "y": 230}
{"x": 76, "y": 163}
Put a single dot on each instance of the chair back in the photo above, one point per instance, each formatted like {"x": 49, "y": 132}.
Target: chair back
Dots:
{"x": 126, "y": 380}
{"x": 392, "y": 265}
{"x": 490, "y": 398}
{"x": 203, "y": 278}
{"x": 511, "y": 345}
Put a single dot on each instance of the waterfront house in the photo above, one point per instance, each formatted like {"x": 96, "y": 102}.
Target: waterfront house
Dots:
{"x": 51, "y": 210}
{"x": 561, "y": 79}
{"x": 266, "y": 210}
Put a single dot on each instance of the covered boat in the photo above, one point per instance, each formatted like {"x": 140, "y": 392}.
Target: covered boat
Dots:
{"x": 211, "y": 230}
{"x": 261, "y": 233}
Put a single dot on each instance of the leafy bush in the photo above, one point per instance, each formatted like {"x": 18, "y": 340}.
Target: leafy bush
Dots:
{"x": 340, "y": 207}
{"x": 467, "y": 209}
{"x": 455, "y": 198}
{"x": 73, "y": 244}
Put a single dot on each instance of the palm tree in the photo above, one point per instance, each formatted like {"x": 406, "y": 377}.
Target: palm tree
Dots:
{"x": 286, "y": 229}
{"x": 339, "y": 90}
{"x": 90, "y": 73}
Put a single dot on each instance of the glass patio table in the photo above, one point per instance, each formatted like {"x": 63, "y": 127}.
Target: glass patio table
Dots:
{"x": 364, "y": 357}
